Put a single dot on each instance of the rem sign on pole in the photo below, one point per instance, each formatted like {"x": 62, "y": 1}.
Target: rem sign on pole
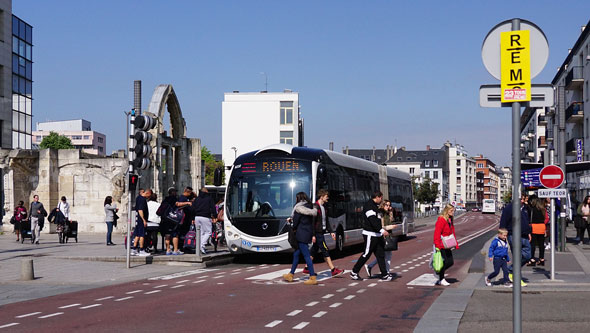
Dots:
{"x": 515, "y": 57}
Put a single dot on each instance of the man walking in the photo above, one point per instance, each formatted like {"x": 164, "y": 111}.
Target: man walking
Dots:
{"x": 205, "y": 215}
{"x": 143, "y": 213}
{"x": 373, "y": 234}
{"x": 525, "y": 231}
{"x": 38, "y": 213}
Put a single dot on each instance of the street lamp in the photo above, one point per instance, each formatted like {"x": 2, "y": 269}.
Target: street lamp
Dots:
{"x": 127, "y": 113}
{"x": 235, "y": 152}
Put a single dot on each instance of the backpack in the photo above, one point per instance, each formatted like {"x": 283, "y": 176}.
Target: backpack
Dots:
{"x": 176, "y": 216}
{"x": 190, "y": 239}
{"x": 163, "y": 209}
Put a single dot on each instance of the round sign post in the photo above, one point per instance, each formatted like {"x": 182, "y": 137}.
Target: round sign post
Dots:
{"x": 551, "y": 176}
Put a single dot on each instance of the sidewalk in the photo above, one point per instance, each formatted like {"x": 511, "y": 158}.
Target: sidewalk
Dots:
{"x": 61, "y": 268}
{"x": 547, "y": 306}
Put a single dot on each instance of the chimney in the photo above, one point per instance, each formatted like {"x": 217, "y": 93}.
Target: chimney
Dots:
{"x": 387, "y": 153}
{"x": 331, "y": 146}
{"x": 373, "y": 158}
{"x": 583, "y": 28}
{"x": 347, "y": 150}
{"x": 427, "y": 147}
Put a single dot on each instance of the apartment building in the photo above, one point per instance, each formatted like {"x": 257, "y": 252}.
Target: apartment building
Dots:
{"x": 491, "y": 180}
{"x": 533, "y": 138}
{"x": 79, "y": 131}
{"x": 462, "y": 178}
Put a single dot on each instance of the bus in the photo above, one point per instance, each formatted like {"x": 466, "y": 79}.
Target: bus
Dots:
{"x": 489, "y": 206}
{"x": 262, "y": 185}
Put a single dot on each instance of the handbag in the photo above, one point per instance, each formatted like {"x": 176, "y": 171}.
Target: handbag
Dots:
{"x": 437, "y": 261}
{"x": 391, "y": 243}
{"x": 13, "y": 220}
{"x": 163, "y": 209}
{"x": 449, "y": 242}
{"x": 115, "y": 218}
{"x": 176, "y": 216}
{"x": 292, "y": 237}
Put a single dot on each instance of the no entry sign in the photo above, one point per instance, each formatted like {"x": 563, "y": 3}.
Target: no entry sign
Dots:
{"x": 551, "y": 176}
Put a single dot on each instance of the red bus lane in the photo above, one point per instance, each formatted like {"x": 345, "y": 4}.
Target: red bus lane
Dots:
{"x": 249, "y": 297}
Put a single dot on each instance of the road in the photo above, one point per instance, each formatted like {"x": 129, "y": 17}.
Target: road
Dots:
{"x": 249, "y": 296}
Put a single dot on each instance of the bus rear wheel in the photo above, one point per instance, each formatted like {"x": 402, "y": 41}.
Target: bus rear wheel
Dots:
{"x": 339, "y": 242}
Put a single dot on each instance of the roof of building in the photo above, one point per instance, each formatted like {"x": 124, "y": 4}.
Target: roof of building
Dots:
{"x": 404, "y": 156}
{"x": 574, "y": 50}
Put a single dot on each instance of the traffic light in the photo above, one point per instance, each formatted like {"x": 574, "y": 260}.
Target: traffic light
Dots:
{"x": 133, "y": 179}
{"x": 142, "y": 148}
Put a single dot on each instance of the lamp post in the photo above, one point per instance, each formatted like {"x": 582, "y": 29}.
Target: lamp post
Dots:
{"x": 127, "y": 113}
{"x": 235, "y": 152}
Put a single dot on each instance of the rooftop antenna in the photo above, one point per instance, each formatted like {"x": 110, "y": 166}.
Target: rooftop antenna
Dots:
{"x": 265, "y": 81}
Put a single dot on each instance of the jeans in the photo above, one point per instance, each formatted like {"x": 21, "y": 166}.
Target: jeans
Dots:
{"x": 109, "y": 232}
{"x": 500, "y": 263}
{"x": 304, "y": 250}
{"x": 35, "y": 229}
{"x": 388, "y": 255}
{"x": 525, "y": 252}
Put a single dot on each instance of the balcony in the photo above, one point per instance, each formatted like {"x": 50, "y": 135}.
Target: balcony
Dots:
{"x": 570, "y": 146}
{"x": 575, "y": 113}
{"x": 575, "y": 78}
{"x": 541, "y": 121}
{"x": 549, "y": 136}
{"x": 541, "y": 142}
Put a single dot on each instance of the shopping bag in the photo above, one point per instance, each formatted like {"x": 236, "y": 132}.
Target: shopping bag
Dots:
{"x": 437, "y": 261}
{"x": 449, "y": 242}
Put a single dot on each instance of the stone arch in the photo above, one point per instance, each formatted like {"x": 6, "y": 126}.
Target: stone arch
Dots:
{"x": 163, "y": 96}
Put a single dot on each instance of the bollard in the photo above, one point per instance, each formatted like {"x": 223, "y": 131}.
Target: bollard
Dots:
{"x": 26, "y": 272}
{"x": 198, "y": 243}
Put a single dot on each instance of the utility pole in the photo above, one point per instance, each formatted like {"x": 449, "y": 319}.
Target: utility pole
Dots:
{"x": 561, "y": 157}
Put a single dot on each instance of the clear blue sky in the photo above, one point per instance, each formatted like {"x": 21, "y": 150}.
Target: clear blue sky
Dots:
{"x": 369, "y": 73}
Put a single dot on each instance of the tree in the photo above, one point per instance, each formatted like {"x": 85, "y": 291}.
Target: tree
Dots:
{"x": 56, "y": 141}
{"x": 210, "y": 165}
{"x": 507, "y": 197}
{"x": 426, "y": 192}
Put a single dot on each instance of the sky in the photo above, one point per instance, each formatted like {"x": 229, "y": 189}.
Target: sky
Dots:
{"x": 368, "y": 73}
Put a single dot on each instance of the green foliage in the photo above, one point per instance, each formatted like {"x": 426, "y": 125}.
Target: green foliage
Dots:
{"x": 210, "y": 165}
{"x": 56, "y": 141}
{"x": 426, "y": 192}
{"x": 507, "y": 197}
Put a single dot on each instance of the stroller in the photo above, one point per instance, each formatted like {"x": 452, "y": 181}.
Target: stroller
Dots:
{"x": 71, "y": 230}
{"x": 25, "y": 231}
{"x": 217, "y": 236}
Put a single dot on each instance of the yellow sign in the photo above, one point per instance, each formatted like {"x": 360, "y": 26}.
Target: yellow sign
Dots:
{"x": 515, "y": 64}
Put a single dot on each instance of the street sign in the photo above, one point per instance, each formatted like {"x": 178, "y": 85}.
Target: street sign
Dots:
{"x": 551, "y": 176}
{"x": 579, "y": 150}
{"x": 542, "y": 95}
{"x": 552, "y": 193}
{"x": 530, "y": 178}
{"x": 539, "y": 48}
{"x": 515, "y": 66}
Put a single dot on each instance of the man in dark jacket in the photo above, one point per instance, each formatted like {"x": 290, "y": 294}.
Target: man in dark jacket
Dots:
{"x": 373, "y": 234}
{"x": 205, "y": 215}
{"x": 525, "y": 231}
{"x": 37, "y": 213}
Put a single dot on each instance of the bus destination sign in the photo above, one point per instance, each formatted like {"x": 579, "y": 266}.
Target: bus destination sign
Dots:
{"x": 274, "y": 166}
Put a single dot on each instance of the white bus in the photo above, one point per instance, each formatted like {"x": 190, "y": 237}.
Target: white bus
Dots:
{"x": 262, "y": 186}
{"x": 489, "y": 206}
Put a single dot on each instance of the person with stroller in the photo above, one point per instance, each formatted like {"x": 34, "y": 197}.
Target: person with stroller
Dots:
{"x": 20, "y": 215}
{"x": 110, "y": 211}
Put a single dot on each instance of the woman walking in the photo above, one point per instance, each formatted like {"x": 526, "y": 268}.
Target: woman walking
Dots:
{"x": 444, "y": 227}
{"x": 110, "y": 210}
{"x": 303, "y": 225}
{"x": 388, "y": 223}
{"x": 538, "y": 223}
{"x": 584, "y": 212}
{"x": 20, "y": 215}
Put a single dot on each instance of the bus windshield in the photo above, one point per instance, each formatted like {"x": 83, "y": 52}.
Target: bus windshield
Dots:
{"x": 266, "y": 188}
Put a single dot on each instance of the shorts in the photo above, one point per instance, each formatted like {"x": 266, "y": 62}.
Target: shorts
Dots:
{"x": 139, "y": 229}
{"x": 168, "y": 228}
{"x": 320, "y": 244}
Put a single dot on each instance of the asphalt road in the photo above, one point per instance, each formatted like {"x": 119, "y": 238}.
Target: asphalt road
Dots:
{"x": 250, "y": 296}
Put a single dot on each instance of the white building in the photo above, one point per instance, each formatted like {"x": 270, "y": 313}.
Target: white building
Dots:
{"x": 505, "y": 182}
{"x": 79, "y": 131}
{"x": 252, "y": 120}
{"x": 533, "y": 139}
{"x": 462, "y": 179}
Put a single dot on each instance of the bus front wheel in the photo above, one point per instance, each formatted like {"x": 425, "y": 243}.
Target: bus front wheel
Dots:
{"x": 339, "y": 241}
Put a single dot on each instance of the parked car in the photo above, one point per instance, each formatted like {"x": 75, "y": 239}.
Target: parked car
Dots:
{"x": 475, "y": 209}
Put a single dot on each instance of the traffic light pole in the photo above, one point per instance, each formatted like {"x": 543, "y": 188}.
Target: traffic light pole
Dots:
{"x": 129, "y": 194}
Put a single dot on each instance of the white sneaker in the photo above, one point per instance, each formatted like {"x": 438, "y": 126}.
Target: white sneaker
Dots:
{"x": 444, "y": 282}
{"x": 144, "y": 254}
{"x": 488, "y": 282}
{"x": 134, "y": 252}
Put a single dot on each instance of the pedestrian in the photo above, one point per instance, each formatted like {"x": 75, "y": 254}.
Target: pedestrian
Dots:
{"x": 525, "y": 233}
{"x": 498, "y": 254}
{"x": 539, "y": 220}
{"x": 303, "y": 213}
{"x": 153, "y": 222}
{"x": 142, "y": 210}
{"x": 583, "y": 214}
{"x": 64, "y": 207}
{"x": 387, "y": 221}
{"x": 205, "y": 215}
{"x": 168, "y": 228}
{"x": 373, "y": 233}
{"x": 321, "y": 226}
{"x": 110, "y": 210}
{"x": 20, "y": 215}
{"x": 444, "y": 227}
{"x": 38, "y": 214}
{"x": 185, "y": 201}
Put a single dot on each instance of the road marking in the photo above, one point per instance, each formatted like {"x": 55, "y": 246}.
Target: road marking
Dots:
{"x": 396, "y": 267}
{"x": 335, "y": 305}
{"x": 234, "y": 273}
{"x": 69, "y": 306}
{"x": 178, "y": 286}
{"x": 28, "y": 314}
{"x": 273, "y": 324}
{"x": 275, "y": 265}
{"x": 199, "y": 281}
{"x": 134, "y": 292}
{"x": 123, "y": 299}
{"x": 405, "y": 270}
{"x": 353, "y": 284}
{"x": 328, "y": 296}
{"x": 411, "y": 267}
{"x": 161, "y": 286}
{"x": 9, "y": 325}
{"x": 90, "y": 306}
{"x": 360, "y": 291}
{"x": 372, "y": 285}
{"x": 319, "y": 314}
{"x": 219, "y": 282}
{"x": 404, "y": 264}
{"x": 301, "y": 325}
{"x": 102, "y": 299}
{"x": 237, "y": 269}
{"x": 51, "y": 315}
{"x": 251, "y": 270}
{"x": 220, "y": 273}
{"x": 311, "y": 303}
{"x": 341, "y": 290}
{"x": 183, "y": 281}
{"x": 349, "y": 297}
{"x": 294, "y": 313}
{"x": 183, "y": 274}
{"x": 423, "y": 280}
{"x": 262, "y": 265}
{"x": 204, "y": 276}
{"x": 152, "y": 292}
{"x": 272, "y": 275}
{"x": 218, "y": 277}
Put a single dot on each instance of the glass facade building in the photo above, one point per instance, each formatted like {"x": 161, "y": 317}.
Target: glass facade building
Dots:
{"x": 22, "y": 83}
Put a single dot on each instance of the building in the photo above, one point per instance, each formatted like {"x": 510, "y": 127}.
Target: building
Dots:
{"x": 505, "y": 174}
{"x": 16, "y": 79}
{"x": 79, "y": 131}
{"x": 253, "y": 120}
{"x": 422, "y": 164}
{"x": 379, "y": 156}
{"x": 533, "y": 135}
{"x": 462, "y": 178}
{"x": 490, "y": 177}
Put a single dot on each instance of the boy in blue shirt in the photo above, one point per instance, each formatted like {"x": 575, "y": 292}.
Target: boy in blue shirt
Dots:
{"x": 498, "y": 253}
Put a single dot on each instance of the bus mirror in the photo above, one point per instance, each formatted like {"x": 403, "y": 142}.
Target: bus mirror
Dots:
{"x": 217, "y": 176}
{"x": 322, "y": 176}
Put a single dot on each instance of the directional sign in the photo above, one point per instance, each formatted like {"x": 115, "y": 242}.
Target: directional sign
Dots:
{"x": 515, "y": 60}
{"x": 551, "y": 176}
{"x": 530, "y": 178}
{"x": 552, "y": 193}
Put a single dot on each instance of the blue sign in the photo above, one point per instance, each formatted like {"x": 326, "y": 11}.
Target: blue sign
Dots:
{"x": 530, "y": 178}
{"x": 579, "y": 150}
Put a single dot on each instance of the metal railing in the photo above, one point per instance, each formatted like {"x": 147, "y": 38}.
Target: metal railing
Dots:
{"x": 575, "y": 77}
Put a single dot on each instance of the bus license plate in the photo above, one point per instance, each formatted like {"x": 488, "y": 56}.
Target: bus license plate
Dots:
{"x": 266, "y": 248}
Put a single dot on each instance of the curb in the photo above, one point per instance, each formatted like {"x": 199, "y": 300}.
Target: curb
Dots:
{"x": 186, "y": 260}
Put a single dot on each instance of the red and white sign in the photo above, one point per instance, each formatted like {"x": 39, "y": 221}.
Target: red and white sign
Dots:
{"x": 551, "y": 176}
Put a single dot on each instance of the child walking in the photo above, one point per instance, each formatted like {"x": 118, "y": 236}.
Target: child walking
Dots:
{"x": 498, "y": 253}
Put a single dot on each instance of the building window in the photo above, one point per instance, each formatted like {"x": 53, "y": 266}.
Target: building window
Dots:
{"x": 427, "y": 163}
{"x": 76, "y": 137}
{"x": 286, "y": 113}
{"x": 412, "y": 170}
{"x": 480, "y": 165}
{"x": 101, "y": 140}
{"x": 435, "y": 175}
{"x": 100, "y": 149}
{"x": 435, "y": 163}
{"x": 458, "y": 171}
{"x": 426, "y": 174}
{"x": 86, "y": 137}
{"x": 287, "y": 137}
